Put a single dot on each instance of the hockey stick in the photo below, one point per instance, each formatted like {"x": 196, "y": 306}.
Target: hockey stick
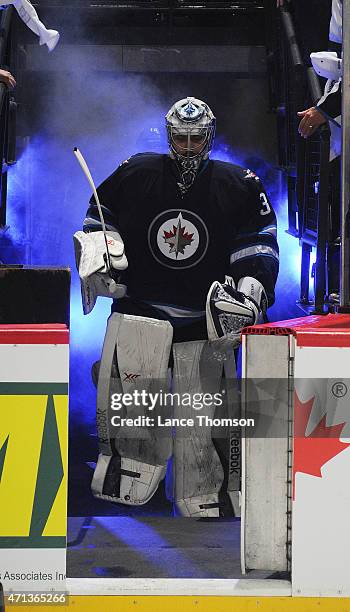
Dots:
{"x": 87, "y": 173}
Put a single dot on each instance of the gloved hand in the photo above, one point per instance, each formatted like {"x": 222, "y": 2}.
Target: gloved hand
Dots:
{"x": 229, "y": 310}
{"x": 91, "y": 256}
{"x": 92, "y": 264}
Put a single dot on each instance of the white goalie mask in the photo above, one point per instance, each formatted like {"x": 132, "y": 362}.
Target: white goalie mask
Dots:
{"x": 190, "y": 127}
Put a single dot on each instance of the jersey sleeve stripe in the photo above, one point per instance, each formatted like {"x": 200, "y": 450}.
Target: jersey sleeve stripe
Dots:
{"x": 271, "y": 230}
{"x": 253, "y": 251}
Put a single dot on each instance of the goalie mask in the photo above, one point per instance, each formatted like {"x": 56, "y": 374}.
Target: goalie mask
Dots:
{"x": 190, "y": 126}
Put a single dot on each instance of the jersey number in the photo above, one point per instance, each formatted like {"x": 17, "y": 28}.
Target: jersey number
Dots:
{"x": 266, "y": 208}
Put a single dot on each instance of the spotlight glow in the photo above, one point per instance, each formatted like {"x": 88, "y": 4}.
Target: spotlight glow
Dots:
{"x": 57, "y": 208}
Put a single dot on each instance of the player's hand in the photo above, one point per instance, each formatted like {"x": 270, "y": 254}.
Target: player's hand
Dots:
{"x": 7, "y": 78}
{"x": 311, "y": 120}
{"x": 228, "y": 311}
{"x": 281, "y": 2}
{"x": 91, "y": 256}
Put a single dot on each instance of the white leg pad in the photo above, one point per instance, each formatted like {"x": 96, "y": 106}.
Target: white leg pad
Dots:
{"x": 198, "y": 471}
{"x": 133, "y": 484}
{"x": 202, "y": 506}
{"x": 132, "y": 460}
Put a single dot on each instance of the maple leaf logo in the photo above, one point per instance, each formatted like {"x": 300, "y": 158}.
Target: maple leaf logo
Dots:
{"x": 251, "y": 175}
{"x": 313, "y": 451}
{"x": 177, "y": 238}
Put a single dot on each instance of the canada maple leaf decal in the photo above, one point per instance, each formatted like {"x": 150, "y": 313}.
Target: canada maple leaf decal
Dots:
{"x": 177, "y": 238}
{"x": 313, "y": 451}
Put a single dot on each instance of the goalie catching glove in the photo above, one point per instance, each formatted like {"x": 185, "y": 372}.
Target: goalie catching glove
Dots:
{"x": 92, "y": 264}
{"x": 229, "y": 310}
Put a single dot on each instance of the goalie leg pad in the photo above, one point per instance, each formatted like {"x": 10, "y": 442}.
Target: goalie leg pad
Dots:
{"x": 122, "y": 480}
{"x": 133, "y": 459}
{"x": 198, "y": 368}
{"x": 202, "y": 506}
{"x": 231, "y": 443}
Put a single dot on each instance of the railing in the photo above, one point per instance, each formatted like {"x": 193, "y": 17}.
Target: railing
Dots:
{"x": 7, "y": 115}
{"x": 345, "y": 180}
{"x": 167, "y": 5}
{"x": 306, "y": 163}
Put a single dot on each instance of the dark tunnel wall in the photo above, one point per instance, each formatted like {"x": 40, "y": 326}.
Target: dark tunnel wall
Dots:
{"x": 68, "y": 105}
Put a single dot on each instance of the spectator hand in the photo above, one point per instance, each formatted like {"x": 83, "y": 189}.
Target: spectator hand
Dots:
{"x": 311, "y": 120}
{"x": 7, "y": 78}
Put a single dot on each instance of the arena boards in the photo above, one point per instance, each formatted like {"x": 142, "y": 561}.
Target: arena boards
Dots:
{"x": 34, "y": 377}
{"x": 33, "y": 456}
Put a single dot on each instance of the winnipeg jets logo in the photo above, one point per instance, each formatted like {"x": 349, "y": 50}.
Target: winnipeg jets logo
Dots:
{"x": 178, "y": 238}
{"x": 249, "y": 174}
{"x": 189, "y": 109}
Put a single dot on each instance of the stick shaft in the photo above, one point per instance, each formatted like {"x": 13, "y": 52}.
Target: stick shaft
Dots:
{"x": 87, "y": 173}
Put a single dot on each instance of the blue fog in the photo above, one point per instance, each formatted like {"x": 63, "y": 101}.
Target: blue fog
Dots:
{"x": 48, "y": 196}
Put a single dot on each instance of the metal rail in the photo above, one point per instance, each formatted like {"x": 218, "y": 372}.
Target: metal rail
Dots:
{"x": 322, "y": 212}
{"x": 302, "y": 162}
{"x": 170, "y": 5}
{"x": 345, "y": 174}
{"x": 5, "y": 103}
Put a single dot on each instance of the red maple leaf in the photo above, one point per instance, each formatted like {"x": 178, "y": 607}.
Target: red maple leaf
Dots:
{"x": 178, "y": 239}
{"x": 171, "y": 233}
{"x": 313, "y": 451}
{"x": 182, "y": 232}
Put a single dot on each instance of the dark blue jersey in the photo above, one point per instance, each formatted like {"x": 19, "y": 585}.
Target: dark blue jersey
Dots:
{"x": 177, "y": 245}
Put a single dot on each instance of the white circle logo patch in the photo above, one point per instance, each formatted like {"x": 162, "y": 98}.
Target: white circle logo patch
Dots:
{"x": 178, "y": 238}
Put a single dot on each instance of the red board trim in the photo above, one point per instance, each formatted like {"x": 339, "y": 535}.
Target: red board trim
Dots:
{"x": 324, "y": 338}
{"x": 44, "y": 333}
{"x": 330, "y": 330}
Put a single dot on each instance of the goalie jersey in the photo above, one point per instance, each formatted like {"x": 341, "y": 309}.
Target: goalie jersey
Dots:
{"x": 176, "y": 244}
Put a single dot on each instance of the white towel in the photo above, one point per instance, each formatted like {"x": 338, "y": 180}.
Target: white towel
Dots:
{"x": 30, "y": 17}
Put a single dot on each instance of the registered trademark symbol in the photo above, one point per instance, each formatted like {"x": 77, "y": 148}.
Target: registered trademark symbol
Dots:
{"x": 339, "y": 389}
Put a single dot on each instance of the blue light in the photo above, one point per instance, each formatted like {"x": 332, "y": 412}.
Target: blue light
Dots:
{"x": 58, "y": 196}
{"x": 148, "y": 543}
{"x": 287, "y": 288}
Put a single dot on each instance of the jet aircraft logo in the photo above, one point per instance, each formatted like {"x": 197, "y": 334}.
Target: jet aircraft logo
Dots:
{"x": 189, "y": 109}
{"x": 178, "y": 238}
